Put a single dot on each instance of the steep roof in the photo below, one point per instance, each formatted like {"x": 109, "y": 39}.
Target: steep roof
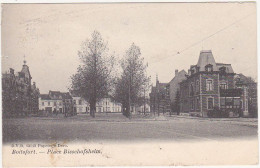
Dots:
{"x": 206, "y": 57}
{"x": 66, "y": 95}
{"x": 26, "y": 71}
{"x": 180, "y": 74}
{"x": 228, "y": 67}
{"x": 244, "y": 79}
{"x": 55, "y": 94}
{"x": 45, "y": 97}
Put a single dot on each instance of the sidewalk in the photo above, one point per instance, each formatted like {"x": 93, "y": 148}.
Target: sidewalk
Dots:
{"x": 241, "y": 121}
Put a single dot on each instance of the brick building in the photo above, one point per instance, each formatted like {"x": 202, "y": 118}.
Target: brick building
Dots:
{"x": 175, "y": 87}
{"x": 160, "y": 98}
{"x": 208, "y": 85}
{"x": 19, "y": 95}
{"x": 242, "y": 80}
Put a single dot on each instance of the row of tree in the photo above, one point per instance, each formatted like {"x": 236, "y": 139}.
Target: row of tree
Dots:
{"x": 97, "y": 75}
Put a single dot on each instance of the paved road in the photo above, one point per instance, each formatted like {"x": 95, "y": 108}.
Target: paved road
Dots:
{"x": 118, "y": 128}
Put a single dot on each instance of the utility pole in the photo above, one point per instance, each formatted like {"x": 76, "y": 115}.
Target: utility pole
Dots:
{"x": 129, "y": 98}
{"x": 144, "y": 100}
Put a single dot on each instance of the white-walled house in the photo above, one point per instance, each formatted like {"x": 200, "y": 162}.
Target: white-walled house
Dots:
{"x": 52, "y": 101}
{"x": 108, "y": 105}
{"x": 81, "y": 105}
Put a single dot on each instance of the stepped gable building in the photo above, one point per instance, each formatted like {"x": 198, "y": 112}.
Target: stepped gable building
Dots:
{"x": 20, "y": 97}
{"x": 175, "y": 87}
{"x": 209, "y": 84}
{"x": 160, "y": 98}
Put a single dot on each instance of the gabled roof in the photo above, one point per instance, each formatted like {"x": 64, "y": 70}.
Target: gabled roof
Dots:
{"x": 242, "y": 78}
{"x": 66, "y": 95}
{"x": 180, "y": 74}
{"x": 206, "y": 57}
{"x": 55, "y": 94}
{"x": 45, "y": 97}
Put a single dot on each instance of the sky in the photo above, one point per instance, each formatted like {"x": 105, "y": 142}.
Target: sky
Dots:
{"x": 170, "y": 36}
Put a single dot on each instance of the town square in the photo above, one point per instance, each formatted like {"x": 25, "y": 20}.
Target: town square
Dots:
{"x": 130, "y": 73}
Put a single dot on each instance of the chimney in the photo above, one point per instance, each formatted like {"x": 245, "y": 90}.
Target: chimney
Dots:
{"x": 176, "y": 72}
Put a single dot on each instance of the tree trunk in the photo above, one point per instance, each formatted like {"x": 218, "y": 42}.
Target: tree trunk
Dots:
{"x": 93, "y": 108}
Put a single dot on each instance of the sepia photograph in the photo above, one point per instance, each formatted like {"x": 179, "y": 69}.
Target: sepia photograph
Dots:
{"x": 129, "y": 84}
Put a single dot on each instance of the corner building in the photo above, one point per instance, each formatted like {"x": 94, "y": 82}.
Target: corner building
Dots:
{"x": 209, "y": 84}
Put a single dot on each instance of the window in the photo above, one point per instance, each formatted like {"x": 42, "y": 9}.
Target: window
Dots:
{"x": 246, "y": 107}
{"x": 42, "y": 103}
{"x": 223, "y": 85}
{"x": 209, "y": 84}
{"x": 192, "y": 104}
{"x": 209, "y": 68}
{"x": 210, "y": 103}
{"x": 222, "y": 69}
{"x": 197, "y": 85}
{"x": 191, "y": 90}
{"x": 55, "y": 103}
{"x": 60, "y": 103}
{"x": 198, "y": 103}
{"x": 49, "y": 103}
{"x": 80, "y": 102}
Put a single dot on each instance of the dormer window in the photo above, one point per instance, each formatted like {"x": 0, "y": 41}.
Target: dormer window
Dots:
{"x": 209, "y": 68}
{"x": 192, "y": 71}
{"x": 222, "y": 69}
{"x": 197, "y": 69}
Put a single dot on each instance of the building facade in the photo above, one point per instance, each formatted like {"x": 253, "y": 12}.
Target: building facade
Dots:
{"x": 81, "y": 105}
{"x": 175, "y": 87}
{"x": 210, "y": 85}
{"x": 57, "y": 102}
{"x": 108, "y": 105}
{"x": 160, "y": 98}
{"x": 244, "y": 81}
{"x": 20, "y": 96}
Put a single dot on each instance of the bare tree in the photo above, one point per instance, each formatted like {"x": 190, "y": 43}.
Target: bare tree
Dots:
{"x": 93, "y": 78}
{"x": 130, "y": 85}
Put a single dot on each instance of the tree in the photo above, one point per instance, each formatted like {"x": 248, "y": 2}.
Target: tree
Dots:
{"x": 177, "y": 102}
{"x": 133, "y": 79}
{"x": 93, "y": 78}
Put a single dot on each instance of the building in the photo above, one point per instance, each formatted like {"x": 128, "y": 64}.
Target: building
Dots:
{"x": 210, "y": 85}
{"x": 61, "y": 102}
{"x": 143, "y": 108}
{"x": 108, "y": 105}
{"x": 81, "y": 105}
{"x": 175, "y": 87}
{"x": 160, "y": 98}
{"x": 242, "y": 80}
{"x": 20, "y": 97}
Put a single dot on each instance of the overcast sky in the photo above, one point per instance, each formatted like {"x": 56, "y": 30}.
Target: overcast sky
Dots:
{"x": 49, "y": 35}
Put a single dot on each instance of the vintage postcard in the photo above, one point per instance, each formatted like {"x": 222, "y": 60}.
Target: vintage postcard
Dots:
{"x": 129, "y": 84}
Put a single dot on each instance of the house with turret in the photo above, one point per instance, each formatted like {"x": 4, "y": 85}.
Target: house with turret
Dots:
{"x": 19, "y": 95}
{"x": 209, "y": 85}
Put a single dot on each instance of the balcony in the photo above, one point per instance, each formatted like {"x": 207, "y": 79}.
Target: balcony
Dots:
{"x": 230, "y": 92}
